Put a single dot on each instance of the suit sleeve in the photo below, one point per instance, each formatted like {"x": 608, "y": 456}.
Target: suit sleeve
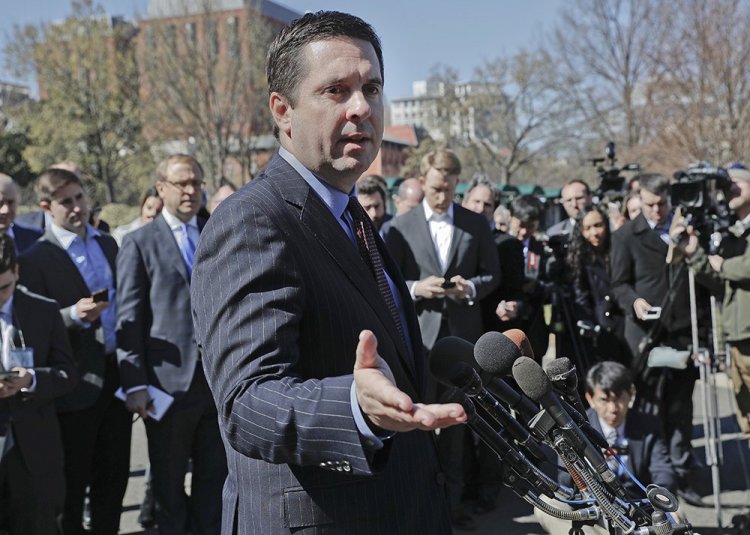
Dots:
{"x": 247, "y": 299}
{"x": 132, "y": 312}
{"x": 399, "y": 250}
{"x": 32, "y": 277}
{"x": 623, "y": 276}
{"x": 660, "y": 465}
{"x": 60, "y": 375}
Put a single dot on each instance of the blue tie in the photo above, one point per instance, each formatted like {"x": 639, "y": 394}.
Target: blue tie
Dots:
{"x": 188, "y": 248}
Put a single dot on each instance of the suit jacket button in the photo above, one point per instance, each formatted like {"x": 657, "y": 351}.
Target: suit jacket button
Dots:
{"x": 440, "y": 478}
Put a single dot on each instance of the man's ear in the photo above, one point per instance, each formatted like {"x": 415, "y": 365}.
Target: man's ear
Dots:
{"x": 281, "y": 112}
{"x": 590, "y": 399}
{"x": 44, "y": 205}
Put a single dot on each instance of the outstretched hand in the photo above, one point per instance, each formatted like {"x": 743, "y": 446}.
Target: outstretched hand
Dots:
{"x": 385, "y": 404}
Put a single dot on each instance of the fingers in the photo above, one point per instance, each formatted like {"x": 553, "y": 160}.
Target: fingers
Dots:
{"x": 367, "y": 351}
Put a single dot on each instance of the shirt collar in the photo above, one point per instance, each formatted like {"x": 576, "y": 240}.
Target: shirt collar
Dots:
{"x": 429, "y": 212}
{"x": 175, "y": 223}
{"x": 10, "y": 231}
{"x": 336, "y": 200}
{"x": 66, "y": 237}
{"x": 607, "y": 429}
{"x": 7, "y": 308}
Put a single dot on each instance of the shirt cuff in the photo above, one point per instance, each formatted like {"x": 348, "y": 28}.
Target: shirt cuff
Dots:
{"x": 473, "y": 288}
{"x": 32, "y": 387}
{"x": 412, "y": 291}
{"x": 371, "y": 439}
{"x": 134, "y": 389}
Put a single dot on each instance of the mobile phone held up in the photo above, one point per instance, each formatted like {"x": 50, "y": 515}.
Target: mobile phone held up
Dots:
{"x": 653, "y": 313}
{"x": 9, "y": 375}
{"x": 100, "y": 296}
{"x": 447, "y": 285}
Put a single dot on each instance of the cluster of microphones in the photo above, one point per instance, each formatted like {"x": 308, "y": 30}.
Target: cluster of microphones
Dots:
{"x": 547, "y": 413}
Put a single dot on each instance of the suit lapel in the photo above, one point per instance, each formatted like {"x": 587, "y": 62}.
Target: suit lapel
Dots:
{"x": 65, "y": 263}
{"x": 458, "y": 234}
{"x": 316, "y": 216}
{"x": 164, "y": 235}
{"x": 648, "y": 237}
{"x": 424, "y": 239}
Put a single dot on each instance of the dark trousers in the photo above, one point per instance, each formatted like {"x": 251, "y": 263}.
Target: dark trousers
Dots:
{"x": 189, "y": 430}
{"x": 96, "y": 441}
{"x": 30, "y": 503}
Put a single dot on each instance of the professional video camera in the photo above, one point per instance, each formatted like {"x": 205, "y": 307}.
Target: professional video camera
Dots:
{"x": 701, "y": 191}
{"x": 611, "y": 187}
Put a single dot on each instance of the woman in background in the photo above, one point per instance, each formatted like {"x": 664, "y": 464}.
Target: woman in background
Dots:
{"x": 588, "y": 260}
{"x": 151, "y": 205}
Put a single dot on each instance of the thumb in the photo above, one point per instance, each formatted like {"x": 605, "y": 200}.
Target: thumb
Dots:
{"x": 367, "y": 351}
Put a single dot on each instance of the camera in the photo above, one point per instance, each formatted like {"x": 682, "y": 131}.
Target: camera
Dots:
{"x": 611, "y": 187}
{"x": 702, "y": 192}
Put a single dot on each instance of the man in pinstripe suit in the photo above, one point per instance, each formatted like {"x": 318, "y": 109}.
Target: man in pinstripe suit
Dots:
{"x": 316, "y": 369}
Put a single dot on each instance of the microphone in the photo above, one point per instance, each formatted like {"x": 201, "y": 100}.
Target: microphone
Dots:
{"x": 491, "y": 348}
{"x": 502, "y": 448}
{"x": 562, "y": 374}
{"x": 535, "y": 384}
{"x": 494, "y": 357}
{"x": 447, "y": 364}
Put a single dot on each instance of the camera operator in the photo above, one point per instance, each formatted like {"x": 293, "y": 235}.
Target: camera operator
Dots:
{"x": 730, "y": 270}
{"x": 641, "y": 281}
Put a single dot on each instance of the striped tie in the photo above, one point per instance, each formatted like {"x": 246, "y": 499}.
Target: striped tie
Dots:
{"x": 368, "y": 249}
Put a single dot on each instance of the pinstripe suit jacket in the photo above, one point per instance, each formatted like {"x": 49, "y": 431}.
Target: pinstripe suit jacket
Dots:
{"x": 279, "y": 297}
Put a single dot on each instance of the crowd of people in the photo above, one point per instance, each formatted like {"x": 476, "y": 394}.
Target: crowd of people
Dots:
{"x": 288, "y": 330}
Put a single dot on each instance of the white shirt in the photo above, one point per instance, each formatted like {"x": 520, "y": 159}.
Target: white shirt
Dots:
{"x": 441, "y": 230}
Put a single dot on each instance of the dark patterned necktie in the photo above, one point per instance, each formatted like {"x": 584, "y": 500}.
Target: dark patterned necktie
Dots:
{"x": 368, "y": 249}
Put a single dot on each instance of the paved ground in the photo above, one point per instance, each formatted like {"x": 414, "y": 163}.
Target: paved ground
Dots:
{"x": 514, "y": 517}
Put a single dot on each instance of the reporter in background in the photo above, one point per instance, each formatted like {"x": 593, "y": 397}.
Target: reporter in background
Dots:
{"x": 730, "y": 270}
{"x": 588, "y": 264}
{"x": 642, "y": 279}
{"x": 32, "y": 482}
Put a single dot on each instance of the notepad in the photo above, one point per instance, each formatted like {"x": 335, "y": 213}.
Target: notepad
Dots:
{"x": 162, "y": 401}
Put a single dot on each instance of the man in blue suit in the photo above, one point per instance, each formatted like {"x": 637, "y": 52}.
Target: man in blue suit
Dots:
{"x": 156, "y": 346}
{"x": 309, "y": 338}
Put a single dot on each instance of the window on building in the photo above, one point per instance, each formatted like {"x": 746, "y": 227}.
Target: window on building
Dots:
{"x": 233, "y": 36}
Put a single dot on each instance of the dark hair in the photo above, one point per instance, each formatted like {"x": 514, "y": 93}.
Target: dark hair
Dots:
{"x": 580, "y": 251}
{"x": 285, "y": 67}
{"x": 526, "y": 208}
{"x": 654, "y": 183}
{"x": 576, "y": 181}
{"x": 612, "y": 377}
{"x": 370, "y": 185}
{"x": 8, "y": 260}
{"x": 51, "y": 180}
{"x": 150, "y": 192}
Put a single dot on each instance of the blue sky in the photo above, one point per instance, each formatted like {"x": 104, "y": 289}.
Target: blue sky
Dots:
{"x": 416, "y": 34}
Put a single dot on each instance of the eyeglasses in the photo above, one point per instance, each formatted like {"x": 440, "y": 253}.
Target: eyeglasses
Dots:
{"x": 182, "y": 186}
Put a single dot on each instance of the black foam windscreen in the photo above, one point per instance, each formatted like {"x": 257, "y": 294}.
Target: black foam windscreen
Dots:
{"x": 531, "y": 378}
{"x": 495, "y": 353}
{"x": 445, "y": 357}
{"x": 558, "y": 366}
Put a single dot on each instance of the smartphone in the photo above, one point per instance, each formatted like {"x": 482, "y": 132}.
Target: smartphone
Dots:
{"x": 448, "y": 285}
{"x": 100, "y": 296}
{"x": 653, "y": 313}
{"x": 9, "y": 375}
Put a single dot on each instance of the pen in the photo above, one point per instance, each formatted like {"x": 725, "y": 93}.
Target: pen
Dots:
{"x": 149, "y": 405}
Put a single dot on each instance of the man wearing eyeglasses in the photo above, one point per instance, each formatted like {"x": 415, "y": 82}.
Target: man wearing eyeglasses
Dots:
{"x": 156, "y": 347}
{"x": 74, "y": 264}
